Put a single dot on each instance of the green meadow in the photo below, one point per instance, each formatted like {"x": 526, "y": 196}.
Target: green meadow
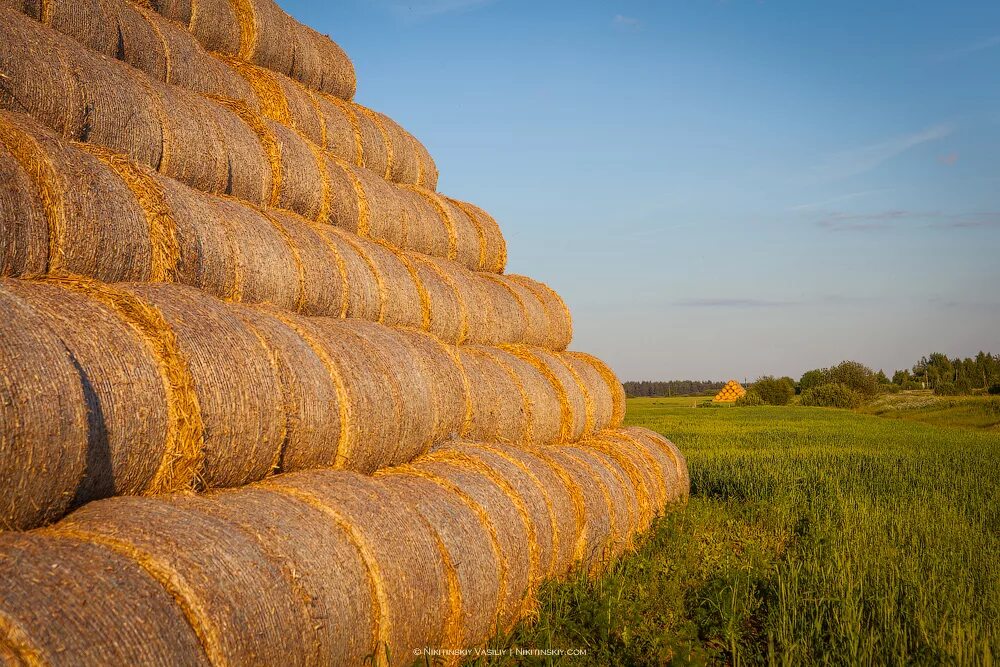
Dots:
{"x": 812, "y": 536}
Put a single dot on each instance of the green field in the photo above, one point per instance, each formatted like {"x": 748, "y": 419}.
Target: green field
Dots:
{"x": 812, "y": 536}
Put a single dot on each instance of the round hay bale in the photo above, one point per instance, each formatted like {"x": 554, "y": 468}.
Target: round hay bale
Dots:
{"x": 465, "y": 531}
{"x": 341, "y": 137}
{"x": 499, "y": 406}
{"x": 408, "y": 568}
{"x": 593, "y": 548}
{"x": 505, "y": 316}
{"x": 402, "y": 163}
{"x": 333, "y": 73}
{"x": 139, "y": 41}
{"x": 493, "y": 248}
{"x": 374, "y": 149}
{"x": 445, "y": 309}
{"x": 175, "y": 10}
{"x": 449, "y": 387}
{"x": 269, "y": 267}
{"x": 427, "y": 176}
{"x": 47, "y": 603}
{"x": 429, "y": 230}
{"x": 36, "y": 75}
{"x": 361, "y": 284}
{"x": 327, "y": 570}
{"x": 239, "y": 601}
{"x": 96, "y": 227}
{"x": 474, "y": 301}
{"x": 560, "y": 320}
{"x": 509, "y": 526}
{"x": 322, "y": 280}
{"x": 641, "y": 468}
{"x": 93, "y": 23}
{"x": 672, "y": 464}
{"x": 615, "y": 392}
{"x": 282, "y": 100}
{"x": 536, "y": 320}
{"x": 128, "y": 423}
{"x": 234, "y": 379}
{"x": 542, "y": 404}
{"x": 24, "y": 230}
{"x": 567, "y": 385}
{"x": 251, "y": 170}
{"x": 597, "y": 395}
{"x": 526, "y": 490}
{"x": 310, "y": 401}
{"x": 402, "y": 303}
{"x": 193, "y": 150}
{"x": 197, "y": 70}
{"x": 566, "y": 513}
{"x": 216, "y": 24}
{"x": 43, "y": 418}
{"x": 618, "y": 491}
{"x": 414, "y": 381}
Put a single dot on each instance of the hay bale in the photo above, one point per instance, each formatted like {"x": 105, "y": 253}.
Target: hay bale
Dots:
{"x": 234, "y": 379}
{"x": 43, "y": 419}
{"x": 311, "y": 426}
{"x": 449, "y": 386}
{"x": 341, "y": 137}
{"x": 493, "y": 248}
{"x": 446, "y": 310}
{"x": 427, "y": 174}
{"x": 615, "y": 391}
{"x": 408, "y": 567}
{"x": 509, "y": 526}
{"x": 282, "y": 100}
{"x": 194, "y": 151}
{"x": 323, "y": 279}
{"x": 672, "y": 462}
{"x": 505, "y": 318}
{"x": 399, "y": 292}
{"x": 125, "y": 393}
{"x": 635, "y": 461}
{"x": 24, "y": 230}
{"x": 542, "y": 408}
{"x": 360, "y": 280}
{"x": 329, "y": 575}
{"x": 192, "y": 67}
{"x": 240, "y": 602}
{"x": 35, "y": 77}
{"x": 251, "y": 151}
{"x": 140, "y": 42}
{"x": 592, "y": 550}
{"x": 51, "y": 588}
{"x": 567, "y": 385}
{"x": 499, "y": 408}
{"x": 467, "y": 533}
{"x": 428, "y": 228}
{"x": 95, "y": 225}
{"x": 622, "y": 497}
{"x": 558, "y": 314}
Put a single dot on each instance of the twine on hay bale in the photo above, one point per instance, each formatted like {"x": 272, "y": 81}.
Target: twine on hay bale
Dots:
{"x": 43, "y": 419}
{"x": 47, "y": 613}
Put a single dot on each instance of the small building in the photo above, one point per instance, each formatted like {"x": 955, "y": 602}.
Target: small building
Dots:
{"x": 732, "y": 391}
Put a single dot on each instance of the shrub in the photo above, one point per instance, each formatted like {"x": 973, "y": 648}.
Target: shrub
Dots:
{"x": 994, "y": 390}
{"x": 947, "y": 389}
{"x": 831, "y": 395}
{"x": 812, "y": 378}
{"x": 855, "y": 376}
{"x": 774, "y": 391}
{"x": 750, "y": 399}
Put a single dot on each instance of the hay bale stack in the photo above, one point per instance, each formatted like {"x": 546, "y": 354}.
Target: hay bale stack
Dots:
{"x": 408, "y": 567}
{"x": 730, "y": 393}
{"x": 240, "y": 602}
{"x": 64, "y": 601}
{"x": 43, "y": 419}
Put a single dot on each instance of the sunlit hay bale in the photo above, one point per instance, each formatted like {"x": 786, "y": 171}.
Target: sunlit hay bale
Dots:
{"x": 543, "y": 410}
{"x": 341, "y": 133}
{"x": 328, "y": 573}
{"x": 473, "y": 298}
{"x": 282, "y": 100}
{"x": 370, "y": 401}
{"x": 429, "y": 229}
{"x": 404, "y": 166}
{"x": 566, "y": 509}
{"x": 528, "y": 493}
{"x": 235, "y": 380}
{"x": 505, "y": 316}
{"x": 427, "y": 172}
{"x": 530, "y": 310}
{"x": 93, "y": 23}
{"x": 37, "y": 78}
{"x": 104, "y": 236}
{"x": 500, "y": 410}
{"x": 468, "y": 534}
{"x": 309, "y": 394}
{"x": 253, "y": 167}
{"x": 493, "y": 251}
{"x": 374, "y": 151}
{"x": 399, "y": 294}
{"x": 240, "y": 602}
{"x": 24, "y": 230}
{"x": 323, "y": 278}
{"x": 509, "y": 525}
{"x": 415, "y": 380}
{"x": 598, "y": 396}
{"x": 559, "y": 316}
{"x": 410, "y": 572}
{"x": 268, "y": 264}
{"x": 627, "y": 514}
{"x": 43, "y": 419}
{"x": 594, "y": 545}
{"x": 47, "y": 602}
{"x": 641, "y": 468}
{"x": 129, "y": 425}
{"x": 361, "y": 280}
{"x": 140, "y": 43}
{"x": 566, "y": 383}
{"x": 449, "y": 385}
{"x": 446, "y": 310}
{"x": 670, "y": 457}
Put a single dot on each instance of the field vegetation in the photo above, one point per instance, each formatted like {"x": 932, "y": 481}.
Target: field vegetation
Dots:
{"x": 812, "y": 535}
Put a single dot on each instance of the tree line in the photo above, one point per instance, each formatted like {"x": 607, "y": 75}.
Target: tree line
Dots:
{"x": 647, "y": 388}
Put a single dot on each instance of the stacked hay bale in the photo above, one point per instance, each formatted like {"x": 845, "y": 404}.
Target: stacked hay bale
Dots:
{"x": 730, "y": 393}
{"x": 301, "y": 414}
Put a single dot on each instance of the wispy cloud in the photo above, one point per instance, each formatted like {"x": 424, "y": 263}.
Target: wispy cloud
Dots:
{"x": 835, "y": 200}
{"x": 626, "y": 23}
{"x": 855, "y": 161}
{"x": 428, "y": 8}
{"x": 969, "y": 49}
{"x": 733, "y": 303}
{"x": 896, "y": 218}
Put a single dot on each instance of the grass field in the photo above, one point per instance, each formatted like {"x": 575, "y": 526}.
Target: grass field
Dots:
{"x": 812, "y": 536}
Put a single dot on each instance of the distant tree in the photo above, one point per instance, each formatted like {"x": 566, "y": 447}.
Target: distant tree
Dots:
{"x": 946, "y": 389}
{"x": 672, "y": 388}
{"x": 902, "y": 377}
{"x": 882, "y": 378}
{"x": 831, "y": 395}
{"x": 812, "y": 379}
{"x": 774, "y": 391}
{"x": 749, "y": 399}
{"x": 856, "y": 376}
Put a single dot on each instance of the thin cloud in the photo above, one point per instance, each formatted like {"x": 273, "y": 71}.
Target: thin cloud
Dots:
{"x": 428, "y": 8}
{"x": 860, "y": 160}
{"x": 969, "y": 49}
{"x": 835, "y": 200}
{"x": 626, "y": 23}
{"x": 732, "y": 303}
{"x": 896, "y": 218}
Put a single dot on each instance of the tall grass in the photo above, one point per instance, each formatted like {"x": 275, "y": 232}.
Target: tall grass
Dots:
{"x": 812, "y": 536}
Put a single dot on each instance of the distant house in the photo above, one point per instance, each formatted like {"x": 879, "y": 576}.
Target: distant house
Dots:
{"x": 732, "y": 391}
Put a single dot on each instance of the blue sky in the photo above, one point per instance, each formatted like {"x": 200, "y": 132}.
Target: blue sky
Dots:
{"x": 717, "y": 188}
